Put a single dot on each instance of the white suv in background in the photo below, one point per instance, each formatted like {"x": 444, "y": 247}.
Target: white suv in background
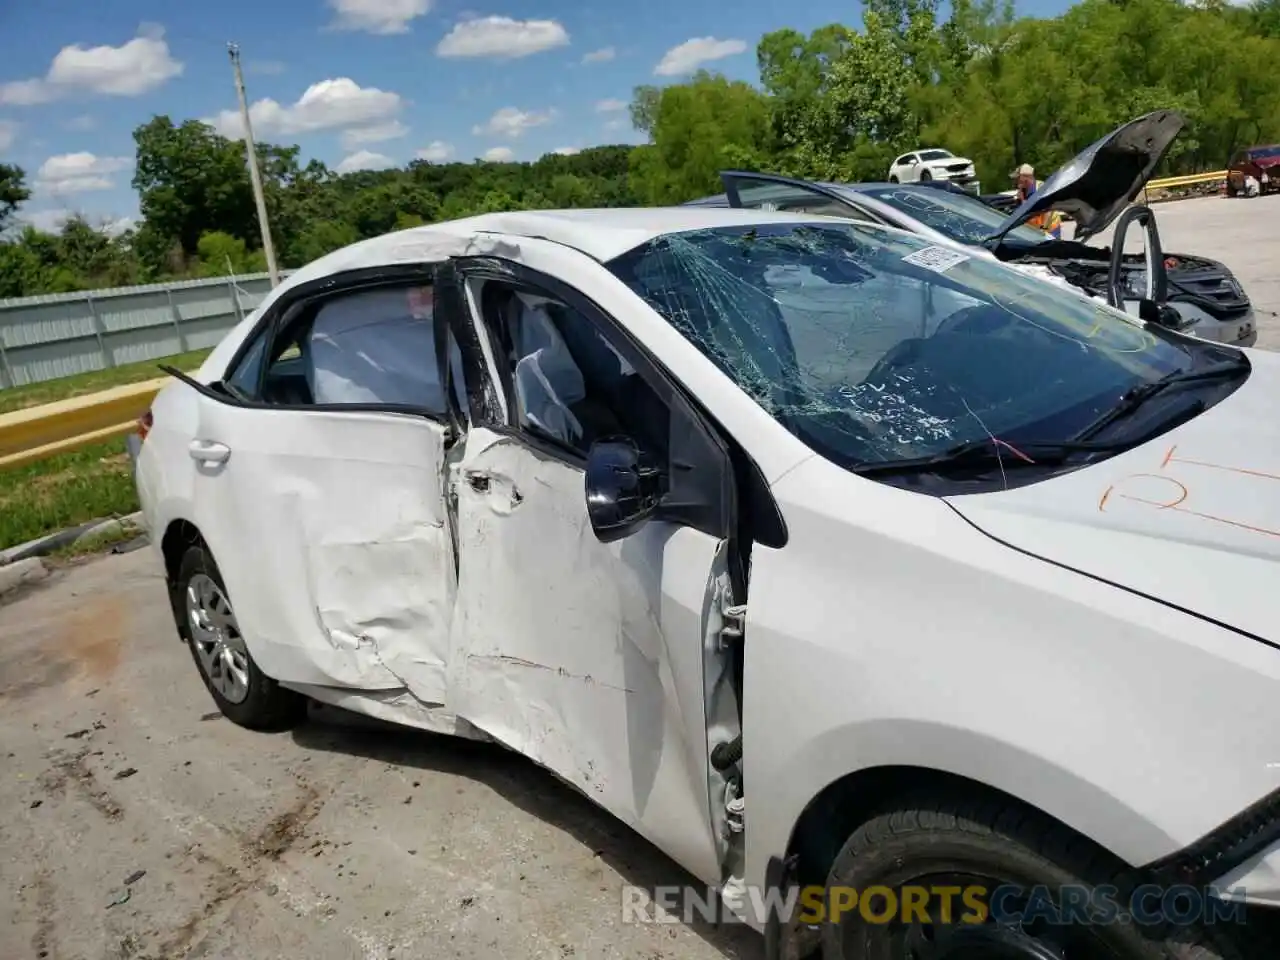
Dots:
{"x": 934, "y": 163}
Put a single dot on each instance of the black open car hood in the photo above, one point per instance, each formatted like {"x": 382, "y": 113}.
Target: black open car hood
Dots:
{"x": 1105, "y": 177}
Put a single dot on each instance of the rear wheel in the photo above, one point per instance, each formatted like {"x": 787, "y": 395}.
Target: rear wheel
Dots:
{"x": 245, "y": 695}
{"x": 1037, "y": 876}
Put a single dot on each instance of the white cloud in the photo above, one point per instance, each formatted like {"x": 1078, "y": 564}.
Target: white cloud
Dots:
{"x": 377, "y": 16}
{"x": 48, "y": 221}
{"x": 502, "y": 38}
{"x": 499, "y": 155}
{"x": 511, "y": 122}
{"x": 79, "y": 173}
{"x": 436, "y": 152}
{"x": 567, "y": 151}
{"x": 339, "y": 104}
{"x": 690, "y": 55}
{"x": 113, "y": 227}
{"x": 8, "y": 133}
{"x": 610, "y": 106}
{"x": 137, "y": 67}
{"x": 83, "y": 122}
{"x": 378, "y": 133}
{"x": 364, "y": 160}
{"x": 602, "y": 55}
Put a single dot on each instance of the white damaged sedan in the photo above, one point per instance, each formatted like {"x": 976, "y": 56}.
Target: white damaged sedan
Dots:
{"x": 822, "y": 556}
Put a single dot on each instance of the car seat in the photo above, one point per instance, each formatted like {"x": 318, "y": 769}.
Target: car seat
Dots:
{"x": 547, "y": 380}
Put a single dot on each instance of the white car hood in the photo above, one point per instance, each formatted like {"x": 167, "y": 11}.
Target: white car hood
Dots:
{"x": 1191, "y": 518}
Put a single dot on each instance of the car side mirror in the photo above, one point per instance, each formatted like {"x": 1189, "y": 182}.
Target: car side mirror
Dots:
{"x": 1162, "y": 315}
{"x": 1156, "y": 274}
{"x": 623, "y": 490}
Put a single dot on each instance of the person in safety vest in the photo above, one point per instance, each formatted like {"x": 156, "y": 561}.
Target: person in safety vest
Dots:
{"x": 1050, "y": 221}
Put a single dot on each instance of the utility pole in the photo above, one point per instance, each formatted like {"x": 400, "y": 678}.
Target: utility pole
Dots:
{"x": 255, "y": 177}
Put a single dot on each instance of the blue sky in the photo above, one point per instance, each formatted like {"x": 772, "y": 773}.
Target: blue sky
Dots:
{"x": 356, "y": 83}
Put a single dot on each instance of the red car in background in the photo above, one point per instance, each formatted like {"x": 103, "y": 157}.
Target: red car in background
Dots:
{"x": 1261, "y": 163}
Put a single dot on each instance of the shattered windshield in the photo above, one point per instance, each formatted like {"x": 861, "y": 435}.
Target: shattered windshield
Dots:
{"x": 956, "y": 216}
{"x": 872, "y": 345}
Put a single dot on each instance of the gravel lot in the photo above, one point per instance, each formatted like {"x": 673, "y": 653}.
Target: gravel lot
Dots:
{"x": 1243, "y": 234}
{"x": 339, "y": 840}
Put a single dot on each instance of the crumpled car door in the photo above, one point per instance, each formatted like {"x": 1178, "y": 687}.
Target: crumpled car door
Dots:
{"x": 331, "y": 530}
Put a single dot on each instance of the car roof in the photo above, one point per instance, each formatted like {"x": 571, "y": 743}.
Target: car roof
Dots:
{"x": 722, "y": 200}
{"x": 601, "y": 234}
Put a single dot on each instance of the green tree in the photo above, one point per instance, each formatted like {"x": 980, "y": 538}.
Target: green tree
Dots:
{"x": 13, "y": 191}
{"x": 693, "y": 127}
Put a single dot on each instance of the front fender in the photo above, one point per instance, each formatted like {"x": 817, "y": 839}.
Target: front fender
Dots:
{"x": 890, "y": 632}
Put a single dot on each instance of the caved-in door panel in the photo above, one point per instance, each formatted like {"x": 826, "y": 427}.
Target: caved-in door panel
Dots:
{"x": 586, "y": 657}
{"x": 330, "y": 530}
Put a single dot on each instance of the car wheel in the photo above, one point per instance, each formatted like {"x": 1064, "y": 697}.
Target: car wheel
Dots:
{"x": 926, "y": 175}
{"x": 893, "y": 178}
{"x": 245, "y": 695}
{"x": 934, "y": 845}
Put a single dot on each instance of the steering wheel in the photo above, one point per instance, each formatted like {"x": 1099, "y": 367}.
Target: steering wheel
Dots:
{"x": 900, "y": 354}
{"x": 979, "y": 320}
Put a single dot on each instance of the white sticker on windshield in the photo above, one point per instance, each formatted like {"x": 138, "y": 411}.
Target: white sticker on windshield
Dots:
{"x": 937, "y": 259}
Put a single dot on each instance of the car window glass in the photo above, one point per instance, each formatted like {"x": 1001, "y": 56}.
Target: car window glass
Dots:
{"x": 935, "y": 155}
{"x": 832, "y": 208}
{"x": 244, "y": 381}
{"x": 372, "y": 347}
{"x": 568, "y": 382}
{"x": 874, "y": 346}
{"x": 771, "y": 195}
{"x": 957, "y": 216}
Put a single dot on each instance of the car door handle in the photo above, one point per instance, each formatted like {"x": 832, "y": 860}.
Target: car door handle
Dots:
{"x": 208, "y": 451}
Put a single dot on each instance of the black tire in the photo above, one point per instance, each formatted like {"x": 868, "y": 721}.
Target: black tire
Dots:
{"x": 926, "y": 175}
{"x": 893, "y": 178}
{"x": 1003, "y": 843}
{"x": 267, "y": 705}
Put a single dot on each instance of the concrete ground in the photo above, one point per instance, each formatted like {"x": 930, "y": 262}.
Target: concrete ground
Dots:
{"x": 1243, "y": 234}
{"x": 338, "y": 840}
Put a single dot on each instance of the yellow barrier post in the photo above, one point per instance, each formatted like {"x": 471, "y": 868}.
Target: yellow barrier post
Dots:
{"x": 65, "y": 425}
{"x": 1187, "y": 181}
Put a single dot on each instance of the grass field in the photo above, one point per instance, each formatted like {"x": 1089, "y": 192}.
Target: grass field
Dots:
{"x": 32, "y": 395}
{"x": 73, "y": 488}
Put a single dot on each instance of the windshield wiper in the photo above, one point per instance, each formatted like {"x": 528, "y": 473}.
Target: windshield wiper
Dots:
{"x": 1137, "y": 396}
{"x": 990, "y": 451}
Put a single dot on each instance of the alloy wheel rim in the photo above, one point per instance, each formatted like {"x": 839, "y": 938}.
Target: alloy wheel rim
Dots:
{"x": 216, "y": 636}
{"x": 1005, "y": 938}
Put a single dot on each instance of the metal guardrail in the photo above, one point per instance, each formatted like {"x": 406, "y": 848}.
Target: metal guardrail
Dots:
{"x": 65, "y": 425}
{"x": 1189, "y": 180}
{"x": 52, "y": 336}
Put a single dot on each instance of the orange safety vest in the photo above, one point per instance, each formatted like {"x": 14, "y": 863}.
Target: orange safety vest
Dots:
{"x": 1050, "y": 221}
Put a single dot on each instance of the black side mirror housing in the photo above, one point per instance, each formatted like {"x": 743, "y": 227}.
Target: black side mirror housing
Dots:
{"x": 623, "y": 490}
{"x": 1156, "y": 272}
{"x": 1161, "y": 315}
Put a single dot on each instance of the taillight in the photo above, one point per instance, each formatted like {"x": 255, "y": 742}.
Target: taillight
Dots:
{"x": 144, "y": 425}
